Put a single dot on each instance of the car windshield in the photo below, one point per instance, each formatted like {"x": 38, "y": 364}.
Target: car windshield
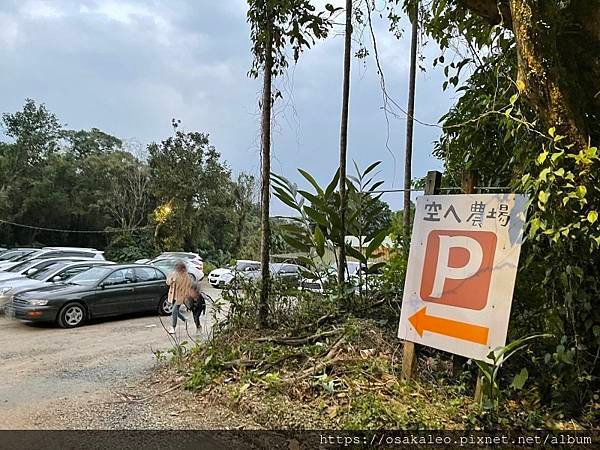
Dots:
{"x": 47, "y": 271}
{"x": 22, "y": 266}
{"x": 90, "y": 277}
{"x": 10, "y": 256}
{"x": 25, "y": 256}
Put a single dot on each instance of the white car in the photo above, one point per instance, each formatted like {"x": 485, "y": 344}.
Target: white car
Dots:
{"x": 14, "y": 256}
{"x": 220, "y": 278}
{"x": 59, "y": 271}
{"x": 55, "y": 252}
{"x": 194, "y": 258}
{"x": 167, "y": 265}
{"x": 329, "y": 275}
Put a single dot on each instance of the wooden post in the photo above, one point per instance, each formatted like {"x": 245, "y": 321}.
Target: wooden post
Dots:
{"x": 468, "y": 183}
{"x": 409, "y": 353}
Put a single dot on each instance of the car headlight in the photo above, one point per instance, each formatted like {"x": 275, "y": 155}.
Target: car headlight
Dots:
{"x": 38, "y": 302}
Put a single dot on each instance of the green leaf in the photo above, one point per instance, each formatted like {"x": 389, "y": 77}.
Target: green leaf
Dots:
{"x": 311, "y": 180}
{"x": 542, "y": 157}
{"x": 333, "y": 184}
{"x": 316, "y": 216}
{"x": 514, "y": 98}
{"x": 375, "y": 267}
{"x": 551, "y": 131}
{"x": 581, "y": 191}
{"x": 370, "y": 168}
{"x": 544, "y": 174}
{"x": 376, "y": 242}
{"x": 534, "y": 225}
{"x": 296, "y": 243}
{"x": 592, "y": 216}
{"x": 285, "y": 198}
{"x": 520, "y": 379}
{"x": 543, "y": 197}
{"x": 319, "y": 241}
{"x": 306, "y": 260}
{"x": 311, "y": 198}
{"x": 351, "y": 251}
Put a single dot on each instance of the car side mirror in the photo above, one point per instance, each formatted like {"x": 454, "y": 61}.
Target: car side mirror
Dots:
{"x": 102, "y": 285}
{"x": 31, "y": 271}
{"x": 56, "y": 279}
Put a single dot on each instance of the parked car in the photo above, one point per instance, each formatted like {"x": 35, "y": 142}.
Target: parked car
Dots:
{"x": 329, "y": 275}
{"x": 102, "y": 291}
{"x": 58, "y": 271}
{"x": 73, "y": 251}
{"x": 10, "y": 257}
{"x": 281, "y": 271}
{"x": 220, "y": 278}
{"x": 54, "y": 252}
{"x": 31, "y": 266}
{"x": 194, "y": 258}
{"x": 167, "y": 265}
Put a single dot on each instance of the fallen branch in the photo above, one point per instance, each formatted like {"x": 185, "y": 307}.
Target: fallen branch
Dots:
{"x": 295, "y": 341}
{"x": 320, "y": 321}
{"x": 332, "y": 356}
{"x": 240, "y": 363}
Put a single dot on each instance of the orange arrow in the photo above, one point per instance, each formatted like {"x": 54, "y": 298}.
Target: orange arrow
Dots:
{"x": 460, "y": 330}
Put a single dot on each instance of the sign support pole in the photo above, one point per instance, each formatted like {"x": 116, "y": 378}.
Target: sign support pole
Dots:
{"x": 433, "y": 182}
{"x": 468, "y": 183}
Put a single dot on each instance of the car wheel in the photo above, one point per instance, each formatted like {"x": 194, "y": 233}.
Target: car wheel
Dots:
{"x": 165, "y": 307}
{"x": 71, "y": 315}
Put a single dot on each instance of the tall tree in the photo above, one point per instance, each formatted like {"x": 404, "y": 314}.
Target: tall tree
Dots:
{"x": 265, "y": 169}
{"x": 344, "y": 139}
{"x": 275, "y": 24}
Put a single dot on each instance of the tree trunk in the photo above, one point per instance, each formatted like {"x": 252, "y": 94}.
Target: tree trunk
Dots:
{"x": 547, "y": 82}
{"x": 344, "y": 142}
{"x": 410, "y": 122}
{"x": 265, "y": 226}
{"x": 559, "y": 59}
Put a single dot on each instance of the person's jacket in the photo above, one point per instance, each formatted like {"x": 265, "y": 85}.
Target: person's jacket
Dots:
{"x": 180, "y": 287}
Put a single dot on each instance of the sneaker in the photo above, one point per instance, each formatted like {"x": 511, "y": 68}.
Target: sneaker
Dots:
{"x": 171, "y": 330}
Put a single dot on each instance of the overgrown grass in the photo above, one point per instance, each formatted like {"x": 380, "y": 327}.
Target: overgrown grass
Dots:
{"x": 322, "y": 367}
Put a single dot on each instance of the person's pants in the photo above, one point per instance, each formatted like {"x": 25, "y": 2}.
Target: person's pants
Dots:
{"x": 197, "y": 312}
{"x": 177, "y": 313}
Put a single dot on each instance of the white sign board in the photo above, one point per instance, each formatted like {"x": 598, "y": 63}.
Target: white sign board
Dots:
{"x": 461, "y": 272}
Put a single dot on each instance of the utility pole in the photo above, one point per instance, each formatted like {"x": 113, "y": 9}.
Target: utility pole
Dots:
{"x": 410, "y": 121}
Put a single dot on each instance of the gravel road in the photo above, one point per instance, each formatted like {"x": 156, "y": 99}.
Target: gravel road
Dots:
{"x": 56, "y": 378}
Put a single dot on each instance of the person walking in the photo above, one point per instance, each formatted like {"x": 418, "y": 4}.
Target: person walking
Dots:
{"x": 197, "y": 305}
{"x": 180, "y": 290}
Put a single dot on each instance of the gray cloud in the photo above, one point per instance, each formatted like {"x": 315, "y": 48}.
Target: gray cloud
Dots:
{"x": 128, "y": 67}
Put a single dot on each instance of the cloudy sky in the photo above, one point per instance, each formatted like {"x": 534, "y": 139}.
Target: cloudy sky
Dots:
{"x": 128, "y": 67}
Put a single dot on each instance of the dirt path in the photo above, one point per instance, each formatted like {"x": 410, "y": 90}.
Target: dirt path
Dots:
{"x": 55, "y": 378}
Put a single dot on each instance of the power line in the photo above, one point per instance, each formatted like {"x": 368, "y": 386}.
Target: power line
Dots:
{"x": 58, "y": 230}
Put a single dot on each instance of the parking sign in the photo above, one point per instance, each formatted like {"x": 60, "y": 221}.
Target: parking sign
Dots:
{"x": 461, "y": 272}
